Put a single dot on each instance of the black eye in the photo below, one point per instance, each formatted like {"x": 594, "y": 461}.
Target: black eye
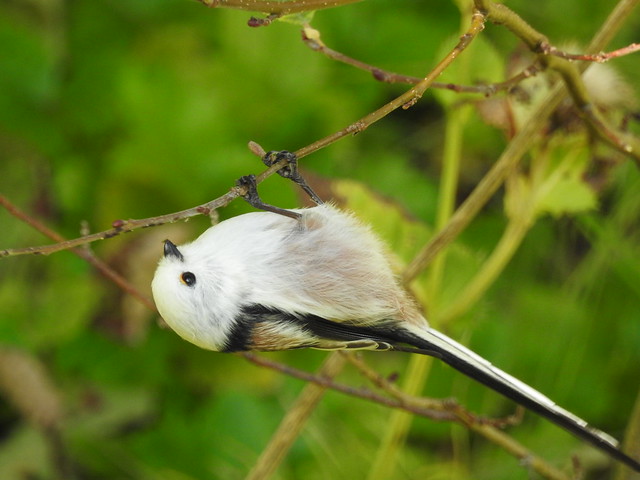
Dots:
{"x": 188, "y": 278}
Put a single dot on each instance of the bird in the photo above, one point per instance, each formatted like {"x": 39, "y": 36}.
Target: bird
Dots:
{"x": 318, "y": 278}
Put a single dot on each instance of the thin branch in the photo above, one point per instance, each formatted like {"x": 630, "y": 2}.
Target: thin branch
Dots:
{"x": 450, "y": 405}
{"x": 447, "y": 411}
{"x": 538, "y": 43}
{"x": 366, "y": 394}
{"x": 276, "y": 6}
{"x": 594, "y": 57}
{"x": 573, "y": 80}
{"x": 83, "y": 253}
{"x": 125, "y": 226}
{"x": 571, "y": 75}
{"x": 407, "y": 99}
{"x": 293, "y": 422}
{"x": 518, "y": 146}
{"x": 311, "y": 38}
{"x": 374, "y": 377}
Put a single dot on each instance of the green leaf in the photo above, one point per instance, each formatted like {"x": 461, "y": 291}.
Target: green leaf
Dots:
{"x": 569, "y": 195}
{"x": 564, "y": 191}
{"x": 554, "y": 184}
{"x": 301, "y": 18}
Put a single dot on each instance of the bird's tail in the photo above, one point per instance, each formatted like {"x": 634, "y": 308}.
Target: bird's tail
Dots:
{"x": 433, "y": 343}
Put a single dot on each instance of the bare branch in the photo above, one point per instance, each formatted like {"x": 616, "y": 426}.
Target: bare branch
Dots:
{"x": 295, "y": 419}
{"x": 405, "y": 100}
{"x": 311, "y": 37}
{"x": 126, "y": 226}
{"x": 572, "y": 77}
{"x": 512, "y": 154}
{"x": 83, "y": 253}
{"x": 444, "y": 411}
{"x": 551, "y": 58}
{"x": 593, "y": 57}
{"x": 438, "y": 415}
{"x": 274, "y": 6}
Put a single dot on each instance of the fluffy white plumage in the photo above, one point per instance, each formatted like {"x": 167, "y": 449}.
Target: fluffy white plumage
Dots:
{"x": 264, "y": 281}
{"x": 325, "y": 264}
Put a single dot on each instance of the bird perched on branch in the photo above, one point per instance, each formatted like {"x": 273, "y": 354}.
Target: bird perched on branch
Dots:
{"x": 316, "y": 278}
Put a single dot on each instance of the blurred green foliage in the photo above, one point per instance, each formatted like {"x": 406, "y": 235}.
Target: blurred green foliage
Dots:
{"x": 126, "y": 109}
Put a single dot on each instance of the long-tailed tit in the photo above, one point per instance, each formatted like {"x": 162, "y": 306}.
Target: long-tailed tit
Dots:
{"x": 316, "y": 278}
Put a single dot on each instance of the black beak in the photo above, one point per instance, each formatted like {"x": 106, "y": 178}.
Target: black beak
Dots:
{"x": 170, "y": 250}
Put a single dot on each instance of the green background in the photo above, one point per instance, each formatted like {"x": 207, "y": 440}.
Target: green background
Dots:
{"x": 116, "y": 109}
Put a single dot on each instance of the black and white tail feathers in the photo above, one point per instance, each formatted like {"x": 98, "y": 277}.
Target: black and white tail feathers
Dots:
{"x": 433, "y": 343}
{"x": 428, "y": 341}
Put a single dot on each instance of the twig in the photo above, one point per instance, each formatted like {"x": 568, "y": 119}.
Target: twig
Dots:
{"x": 593, "y": 57}
{"x": 518, "y": 146}
{"x": 407, "y": 99}
{"x": 438, "y": 415}
{"x": 571, "y": 75}
{"x": 83, "y": 253}
{"x": 374, "y": 377}
{"x": 573, "y": 80}
{"x": 412, "y": 404}
{"x": 277, "y": 6}
{"x": 126, "y": 226}
{"x": 311, "y": 37}
{"x": 293, "y": 422}
{"x": 449, "y": 404}
{"x": 538, "y": 43}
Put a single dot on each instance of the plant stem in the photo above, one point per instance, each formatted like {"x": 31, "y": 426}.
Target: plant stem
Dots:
{"x": 400, "y": 421}
{"x": 518, "y": 146}
{"x": 491, "y": 269}
{"x": 277, "y": 7}
{"x": 295, "y": 419}
{"x": 419, "y": 365}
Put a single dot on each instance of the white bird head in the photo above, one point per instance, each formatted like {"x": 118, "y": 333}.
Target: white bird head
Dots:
{"x": 193, "y": 296}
